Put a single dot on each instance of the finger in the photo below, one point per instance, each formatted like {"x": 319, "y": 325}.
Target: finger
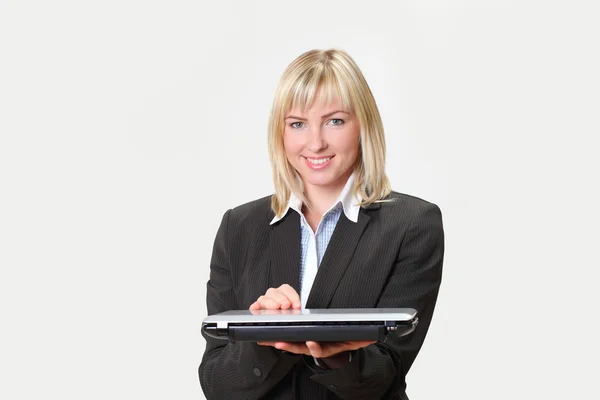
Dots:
{"x": 315, "y": 349}
{"x": 293, "y": 347}
{"x": 359, "y": 344}
{"x": 255, "y": 311}
{"x": 279, "y": 297}
{"x": 338, "y": 347}
{"x": 330, "y": 349}
{"x": 265, "y": 302}
{"x": 272, "y": 344}
{"x": 291, "y": 294}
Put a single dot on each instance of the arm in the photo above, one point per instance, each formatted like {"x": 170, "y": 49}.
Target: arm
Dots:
{"x": 235, "y": 370}
{"x": 379, "y": 370}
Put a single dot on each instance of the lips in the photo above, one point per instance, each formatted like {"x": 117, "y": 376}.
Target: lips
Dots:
{"x": 318, "y": 162}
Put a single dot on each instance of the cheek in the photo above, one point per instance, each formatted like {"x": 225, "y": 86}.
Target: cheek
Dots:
{"x": 292, "y": 144}
{"x": 349, "y": 143}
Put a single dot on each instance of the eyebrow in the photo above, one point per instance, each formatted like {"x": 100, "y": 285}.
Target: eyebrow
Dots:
{"x": 322, "y": 116}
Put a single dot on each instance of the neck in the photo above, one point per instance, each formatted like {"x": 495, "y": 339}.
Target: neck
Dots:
{"x": 321, "y": 198}
{"x": 320, "y": 201}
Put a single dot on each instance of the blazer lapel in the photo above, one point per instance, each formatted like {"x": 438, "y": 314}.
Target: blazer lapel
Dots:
{"x": 340, "y": 251}
{"x": 285, "y": 252}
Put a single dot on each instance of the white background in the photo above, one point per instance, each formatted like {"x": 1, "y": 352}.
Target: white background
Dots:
{"x": 127, "y": 129}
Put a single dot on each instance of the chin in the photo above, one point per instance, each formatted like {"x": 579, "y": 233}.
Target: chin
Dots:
{"x": 325, "y": 181}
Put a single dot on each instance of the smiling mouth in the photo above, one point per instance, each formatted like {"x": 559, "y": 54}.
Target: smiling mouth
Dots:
{"x": 318, "y": 161}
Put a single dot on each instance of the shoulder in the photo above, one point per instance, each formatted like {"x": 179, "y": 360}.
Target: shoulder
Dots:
{"x": 404, "y": 202}
{"x": 253, "y": 212}
{"x": 407, "y": 209}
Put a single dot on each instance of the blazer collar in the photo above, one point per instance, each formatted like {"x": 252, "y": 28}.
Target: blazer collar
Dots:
{"x": 285, "y": 252}
{"x": 338, "y": 255}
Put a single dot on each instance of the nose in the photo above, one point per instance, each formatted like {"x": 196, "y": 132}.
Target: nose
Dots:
{"x": 316, "y": 141}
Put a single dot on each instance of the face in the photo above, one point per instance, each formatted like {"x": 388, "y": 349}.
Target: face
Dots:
{"x": 322, "y": 144}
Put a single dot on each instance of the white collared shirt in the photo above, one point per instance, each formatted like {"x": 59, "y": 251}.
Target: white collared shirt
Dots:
{"x": 314, "y": 244}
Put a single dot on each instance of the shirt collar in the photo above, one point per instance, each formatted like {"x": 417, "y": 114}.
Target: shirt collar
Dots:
{"x": 347, "y": 198}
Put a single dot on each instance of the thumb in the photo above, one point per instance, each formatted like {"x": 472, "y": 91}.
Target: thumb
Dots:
{"x": 315, "y": 349}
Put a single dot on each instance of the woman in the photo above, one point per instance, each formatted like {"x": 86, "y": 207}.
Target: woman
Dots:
{"x": 333, "y": 235}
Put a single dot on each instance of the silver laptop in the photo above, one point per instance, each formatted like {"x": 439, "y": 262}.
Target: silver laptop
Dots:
{"x": 320, "y": 325}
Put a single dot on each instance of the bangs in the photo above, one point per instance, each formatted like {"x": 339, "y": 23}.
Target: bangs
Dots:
{"x": 319, "y": 85}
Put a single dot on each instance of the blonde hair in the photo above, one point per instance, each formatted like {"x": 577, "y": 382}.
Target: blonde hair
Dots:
{"x": 321, "y": 75}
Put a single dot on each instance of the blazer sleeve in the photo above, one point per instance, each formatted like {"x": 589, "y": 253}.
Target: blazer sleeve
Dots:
{"x": 378, "y": 371}
{"x": 240, "y": 370}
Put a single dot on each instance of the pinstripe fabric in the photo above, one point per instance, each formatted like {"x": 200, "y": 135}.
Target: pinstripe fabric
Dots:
{"x": 391, "y": 257}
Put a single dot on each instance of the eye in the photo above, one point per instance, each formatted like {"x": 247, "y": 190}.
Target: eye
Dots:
{"x": 296, "y": 125}
{"x": 336, "y": 121}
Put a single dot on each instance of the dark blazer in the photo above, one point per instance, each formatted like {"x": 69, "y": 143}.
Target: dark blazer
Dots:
{"x": 391, "y": 257}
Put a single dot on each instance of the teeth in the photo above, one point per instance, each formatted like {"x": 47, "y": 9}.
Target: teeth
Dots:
{"x": 318, "y": 160}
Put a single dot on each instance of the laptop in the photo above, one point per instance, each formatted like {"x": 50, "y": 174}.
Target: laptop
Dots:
{"x": 320, "y": 325}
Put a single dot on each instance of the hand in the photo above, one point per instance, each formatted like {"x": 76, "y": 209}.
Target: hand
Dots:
{"x": 285, "y": 297}
{"x": 281, "y": 298}
{"x": 318, "y": 349}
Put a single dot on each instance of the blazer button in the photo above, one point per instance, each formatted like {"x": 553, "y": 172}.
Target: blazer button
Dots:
{"x": 257, "y": 372}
